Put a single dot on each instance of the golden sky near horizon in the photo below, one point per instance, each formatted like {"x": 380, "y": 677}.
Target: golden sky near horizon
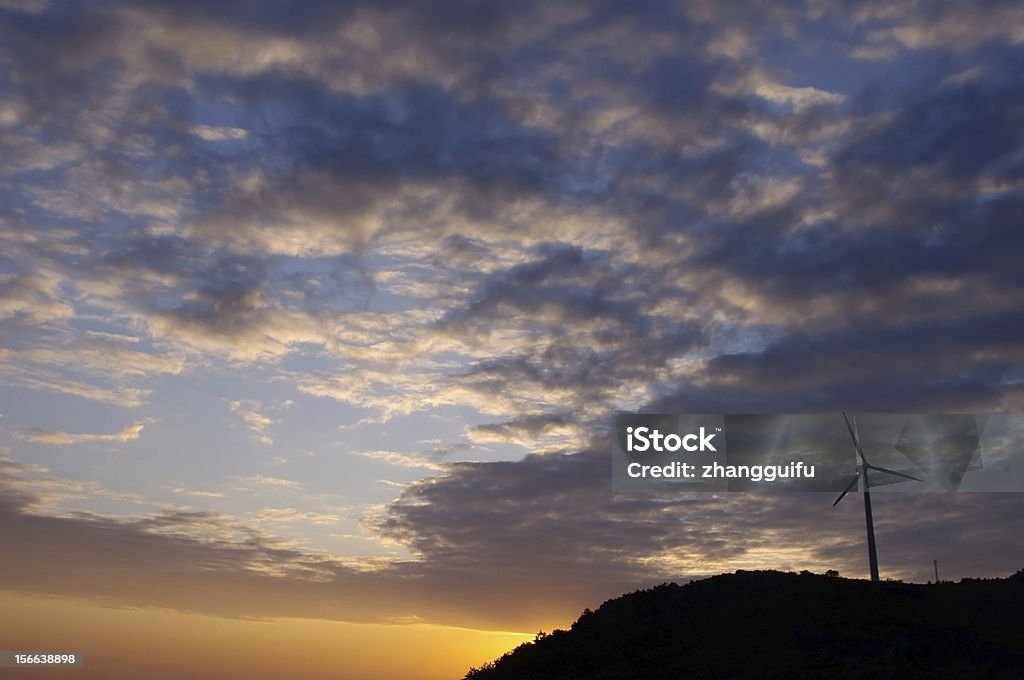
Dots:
{"x": 160, "y": 644}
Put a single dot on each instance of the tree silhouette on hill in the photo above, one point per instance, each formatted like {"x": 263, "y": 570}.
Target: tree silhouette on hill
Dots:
{"x": 780, "y": 625}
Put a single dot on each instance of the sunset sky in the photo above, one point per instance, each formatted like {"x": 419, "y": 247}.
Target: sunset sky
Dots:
{"x": 314, "y": 317}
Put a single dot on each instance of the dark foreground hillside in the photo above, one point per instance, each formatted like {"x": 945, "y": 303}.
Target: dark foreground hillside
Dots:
{"x": 777, "y": 625}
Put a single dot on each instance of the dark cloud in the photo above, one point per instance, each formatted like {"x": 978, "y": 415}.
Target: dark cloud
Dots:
{"x": 593, "y": 329}
{"x": 957, "y": 132}
{"x": 487, "y": 533}
{"x": 574, "y": 287}
{"x": 272, "y": 17}
{"x": 527, "y": 426}
{"x": 414, "y": 132}
{"x": 552, "y": 522}
{"x": 70, "y": 79}
{"x": 980, "y": 349}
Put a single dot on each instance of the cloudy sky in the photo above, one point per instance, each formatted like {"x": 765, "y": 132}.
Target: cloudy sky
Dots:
{"x": 313, "y": 317}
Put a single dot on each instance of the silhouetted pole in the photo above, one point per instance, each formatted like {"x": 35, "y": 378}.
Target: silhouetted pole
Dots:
{"x": 936, "y": 562}
{"x": 872, "y": 553}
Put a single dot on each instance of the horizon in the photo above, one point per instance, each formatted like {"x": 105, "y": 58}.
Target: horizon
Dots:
{"x": 315, "y": 319}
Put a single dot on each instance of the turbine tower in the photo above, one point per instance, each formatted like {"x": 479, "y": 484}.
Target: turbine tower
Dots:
{"x": 862, "y": 471}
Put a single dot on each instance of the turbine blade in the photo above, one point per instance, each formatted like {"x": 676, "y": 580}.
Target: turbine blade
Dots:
{"x": 849, "y": 427}
{"x": 846, "y": 490}
{"x": 856, "y": 441}
{"x": 893, "y": 472}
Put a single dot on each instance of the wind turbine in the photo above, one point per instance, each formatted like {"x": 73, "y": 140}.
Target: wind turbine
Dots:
{"x": 862, "y": 470}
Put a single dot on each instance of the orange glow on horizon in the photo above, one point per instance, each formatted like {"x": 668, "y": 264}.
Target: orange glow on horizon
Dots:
{"x": 161, "y": 644}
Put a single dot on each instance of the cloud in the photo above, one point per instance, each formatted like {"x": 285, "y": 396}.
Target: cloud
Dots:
{"x": 401, "y": 459}
{"x": 285, "y": 515}
{"x": 593, "y": 242}
{"x": 550, "y": 431}
{"x": 129, "y": 434}
{"x": 602, "y": 537}
{"x": 34, "y": 488}
{"x": 254, "y": 420}
{"x": 564, "y": 540}
{"x": 197, "y": 493}
{"x": 128, "y": 397}
{"x": 953, "y": 28}
{"x": 582, "y": 239}
{"x": 554, "y": 222}
{"x": 31, "y": 298}
{"x": 213, "y": 133}
{"x": 268, "y": 481}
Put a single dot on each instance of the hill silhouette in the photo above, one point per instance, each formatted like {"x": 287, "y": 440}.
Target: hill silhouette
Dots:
{"x": 781, "y": 625}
